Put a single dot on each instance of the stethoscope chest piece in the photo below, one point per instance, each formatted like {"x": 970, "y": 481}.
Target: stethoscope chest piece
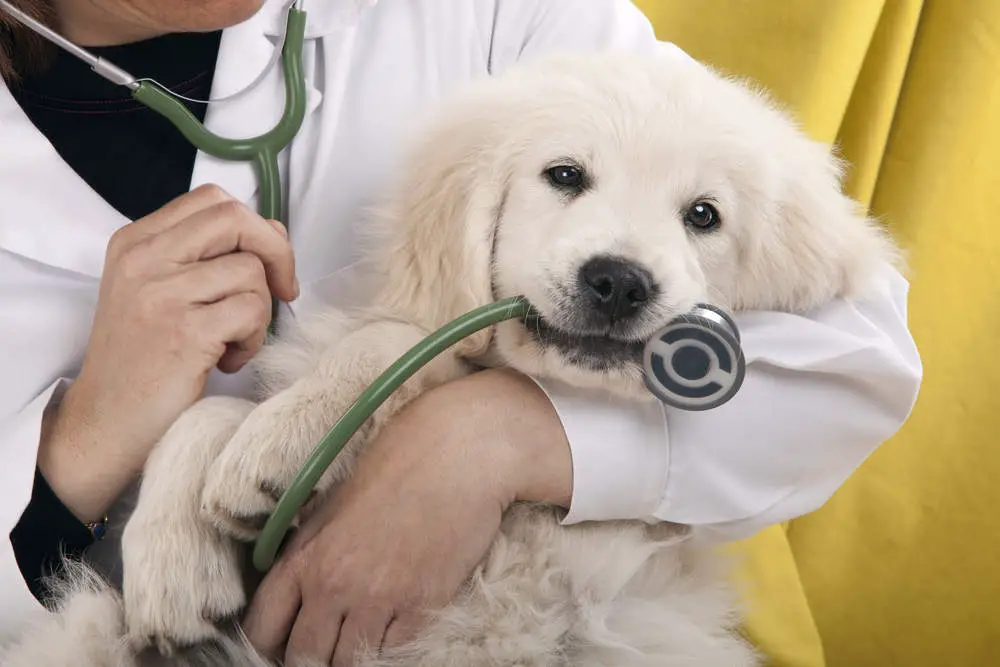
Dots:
{"x": 695, "y": 362}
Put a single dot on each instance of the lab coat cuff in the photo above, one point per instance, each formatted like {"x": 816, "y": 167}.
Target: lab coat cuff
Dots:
{"x": 619, "y": 449}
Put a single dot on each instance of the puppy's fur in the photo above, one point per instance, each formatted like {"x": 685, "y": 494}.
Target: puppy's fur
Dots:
{"x": 692, "y": 186}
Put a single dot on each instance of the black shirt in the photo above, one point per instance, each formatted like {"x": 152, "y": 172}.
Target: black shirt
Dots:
{"x": 137, "y": 162}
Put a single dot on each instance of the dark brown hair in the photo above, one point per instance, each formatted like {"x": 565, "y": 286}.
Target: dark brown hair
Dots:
{"x": 22, "y": 51}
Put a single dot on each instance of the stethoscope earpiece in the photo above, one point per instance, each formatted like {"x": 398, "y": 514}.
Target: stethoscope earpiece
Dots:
{"x": 695, "y": 362}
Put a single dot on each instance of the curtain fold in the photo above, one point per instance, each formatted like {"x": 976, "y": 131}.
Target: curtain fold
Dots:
{"x": 902, "y": 566}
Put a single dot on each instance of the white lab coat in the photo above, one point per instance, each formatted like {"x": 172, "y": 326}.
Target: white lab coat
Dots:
{"x": 822, "y": 391}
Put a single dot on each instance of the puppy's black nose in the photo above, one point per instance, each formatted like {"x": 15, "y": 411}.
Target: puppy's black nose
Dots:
{"x": 616, "y": 288}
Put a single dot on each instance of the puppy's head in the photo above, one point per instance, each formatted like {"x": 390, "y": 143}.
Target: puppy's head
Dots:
{"x": 615, "y": 193}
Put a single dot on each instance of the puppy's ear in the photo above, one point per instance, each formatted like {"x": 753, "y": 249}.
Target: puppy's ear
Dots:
{"x": 820, "y": 244}
{"x": 438, "y": 256}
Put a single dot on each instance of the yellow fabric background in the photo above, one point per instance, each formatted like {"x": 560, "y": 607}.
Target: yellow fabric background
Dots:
{"x": 902, "y": 566}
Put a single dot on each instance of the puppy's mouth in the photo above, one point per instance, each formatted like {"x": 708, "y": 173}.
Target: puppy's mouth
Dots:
{"x": 595, "y": 351}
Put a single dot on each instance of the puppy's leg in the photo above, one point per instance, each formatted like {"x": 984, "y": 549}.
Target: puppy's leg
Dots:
{"x": 180, "y": 575}
{"x": 274, "y": 442}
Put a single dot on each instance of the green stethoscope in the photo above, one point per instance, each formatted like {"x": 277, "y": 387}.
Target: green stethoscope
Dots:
{"x": 694, "y": 363}
{"x": 261, "y": 151}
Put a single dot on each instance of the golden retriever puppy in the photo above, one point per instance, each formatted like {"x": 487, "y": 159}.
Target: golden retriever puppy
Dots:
{"x": 614, "y": 193}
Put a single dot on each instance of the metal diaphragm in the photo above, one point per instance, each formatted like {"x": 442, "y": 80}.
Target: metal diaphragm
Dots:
{"x": 695, "y": 362}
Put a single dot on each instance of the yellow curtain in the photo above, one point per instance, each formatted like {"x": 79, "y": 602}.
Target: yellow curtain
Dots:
{"x": 902, "y": 566}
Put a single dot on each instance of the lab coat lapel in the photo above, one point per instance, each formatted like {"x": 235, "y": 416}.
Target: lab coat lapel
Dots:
{"x": 49, "y": 214}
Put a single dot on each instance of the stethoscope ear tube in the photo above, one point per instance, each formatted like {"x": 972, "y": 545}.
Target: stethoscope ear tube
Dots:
{"x": 695, "y": 362}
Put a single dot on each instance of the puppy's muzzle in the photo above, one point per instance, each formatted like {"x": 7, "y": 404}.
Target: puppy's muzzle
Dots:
{"x": 615, "y": 289}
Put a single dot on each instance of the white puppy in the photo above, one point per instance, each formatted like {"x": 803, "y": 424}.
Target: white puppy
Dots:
{"x": 614, "y": 193}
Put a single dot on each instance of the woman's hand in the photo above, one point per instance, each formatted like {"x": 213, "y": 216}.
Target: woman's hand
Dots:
{"x": 184, "y": 290}
{"x": 408, "y": 528}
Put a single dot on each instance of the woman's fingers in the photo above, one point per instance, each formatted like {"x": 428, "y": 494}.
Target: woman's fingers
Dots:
{"x": 273, "y": 610}
{"x": 226, "y": 228}
{"x": 213, "y": 280}
{"x": 201, "y": 225}
{"x": 400, "y": 630}
{"x": 314, "y": 636}
{"x": 165, "y": 217}
{"x": 240, "y": 321}
{"x": 361, "y": 634}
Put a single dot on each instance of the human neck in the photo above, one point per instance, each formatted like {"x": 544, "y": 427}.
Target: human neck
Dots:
{"x": 90, "y": 25}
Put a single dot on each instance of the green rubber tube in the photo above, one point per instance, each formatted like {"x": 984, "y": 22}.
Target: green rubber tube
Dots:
{"x": 292, "y": 500}
{"x": 262, "y": 150}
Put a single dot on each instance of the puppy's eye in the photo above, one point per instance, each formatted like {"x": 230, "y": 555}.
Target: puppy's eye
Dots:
{"x": 566, "y": 177}
{"x": 702, "y": 217}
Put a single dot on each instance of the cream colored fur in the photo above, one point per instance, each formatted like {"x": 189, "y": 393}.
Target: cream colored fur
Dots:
{"x": 473, "y": 220}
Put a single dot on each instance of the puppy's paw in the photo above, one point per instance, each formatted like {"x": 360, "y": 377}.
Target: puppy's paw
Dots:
{"x": 182, "y": 579}
{"x": 262, "y": 459}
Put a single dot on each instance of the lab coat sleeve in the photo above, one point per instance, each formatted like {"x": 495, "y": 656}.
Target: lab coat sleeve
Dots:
{"x": 822, "y": 392}
{"x": 19, "y": 435}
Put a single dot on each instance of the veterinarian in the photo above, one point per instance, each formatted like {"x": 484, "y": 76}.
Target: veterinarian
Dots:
{"x": 131, "y": 283}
